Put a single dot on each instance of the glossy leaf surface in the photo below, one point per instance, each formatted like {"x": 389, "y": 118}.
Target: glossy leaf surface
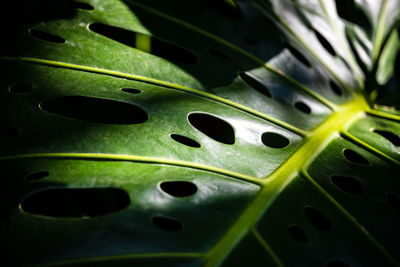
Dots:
{"x": 200, "y": 133}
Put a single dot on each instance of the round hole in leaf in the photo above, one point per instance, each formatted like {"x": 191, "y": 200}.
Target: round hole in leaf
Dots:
{"x": 179, "y": 188}
{"x": 394, "y": 200}
{"x": 328, "y": 47}
{"x": 185, "y": 140}
{"x": 255, "y": 83}
{"x": 335, "y": 88}
{"x": 298, "y": 55}
{"x": 213, "y": 127}
{"x": 348, "y": 184}
{"x": 21, "y": 88}
{"x": 96, "y": 110}
{"x": 354, "y": 157}
{"x": 131, "y": 90}
{"x": 317, "y": 219}
{"x": 303, "y": 107}
{"x": 80, "y": 5}
{"x": 219, "y": 54}
{"x": 391, "y": 137}
{"x": 337, "y": 263}
{"x": 37, "y": 176}
{"x": 167, "y": 223}
{"x": 297, "y": 233}
{"x": 46, "y": 36}
{"x": 75, "y": 202}
{"x": 274, "y": 140}
{"x": 348, "y": 10}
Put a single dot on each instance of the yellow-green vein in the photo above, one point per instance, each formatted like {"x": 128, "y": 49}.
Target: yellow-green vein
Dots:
{"x": 308, "y": 178}
{"x": 246, "y": 221}
{"x": 267, "y": 247}
{"x": 164, "y": 84}
{"x": 366, "y": 146}
{"x": 384, "y": 115}
{"x": 124, "y": 257}
{"x": 241, "y": 51}
{"x": 117, "y": 157}
{"x": 284, "y": 174}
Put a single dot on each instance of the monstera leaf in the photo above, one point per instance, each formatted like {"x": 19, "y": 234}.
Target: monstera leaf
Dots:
{"x": 200, "y": 133}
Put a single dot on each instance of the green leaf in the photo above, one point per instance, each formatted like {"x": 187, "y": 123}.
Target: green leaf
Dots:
{"x": 388, "y": 59}
{"x": 372, "y": 37}
{"x": 200, "y": 133}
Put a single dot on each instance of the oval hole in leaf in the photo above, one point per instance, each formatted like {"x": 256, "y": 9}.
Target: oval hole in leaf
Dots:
{"x": 394, "y": 200}
{"x": 350, "y": 36}
{"x": 46, "y": 36}
{"x": 218, "y": 54}
{"x": 158, "y": 47}
{"x": 328, "y": 47}
{"x": 75, "y": 202}
{"x": 255, "y": 83}
{"x": 353, "y": 156}
{"x": 274, "y": 140}
{"x": 80, "y": 5}
{"x": 348, "y": 184}
{"x": 37, "y": 176}
{"x": 21, "y": 88}
{"x": 348, "y": 10}
{"x": 337, "y": 263}
{"x": 120, "y": 35}
{"x": 317, "y": 219}
{"x": 167, "y": 224}
{"x": 298, "y": 55}
{"x": 96, "y": 110}
{"x": 394, "y": 139}
{"x": 131, "y": 90}
{"x": 335, "y": 88}
{"x": 185, "y": 140}
{"x": 297, "y": 233}
{"x": 179, "y": 188}
{"x": 346, "y": 63}
{"x": 213, "y": 127}
{"x": 303, "y": 107}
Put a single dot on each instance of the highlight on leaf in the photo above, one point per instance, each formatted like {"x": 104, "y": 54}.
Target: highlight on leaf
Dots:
{"x": 191, "y": 133}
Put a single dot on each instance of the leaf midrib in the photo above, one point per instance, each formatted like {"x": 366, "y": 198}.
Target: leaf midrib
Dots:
{"x": 293, "y": 167}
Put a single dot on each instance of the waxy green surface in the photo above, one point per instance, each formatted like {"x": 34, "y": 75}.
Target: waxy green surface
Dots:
{"x": 293, "y": 198}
